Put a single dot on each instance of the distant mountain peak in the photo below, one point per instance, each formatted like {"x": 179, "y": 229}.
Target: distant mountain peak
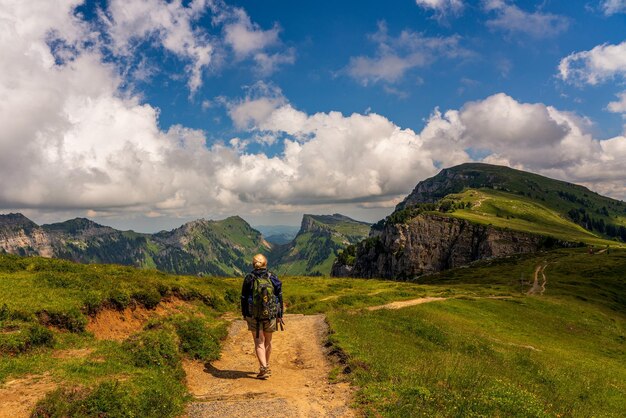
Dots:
{"x": 16, "y": 220}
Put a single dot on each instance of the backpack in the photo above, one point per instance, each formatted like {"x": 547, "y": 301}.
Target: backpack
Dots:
{"x": 263, "y": 306}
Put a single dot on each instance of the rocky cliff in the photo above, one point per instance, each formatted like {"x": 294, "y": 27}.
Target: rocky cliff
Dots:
{"x": 430, "y": 243}
{"x": 317, "y": 244}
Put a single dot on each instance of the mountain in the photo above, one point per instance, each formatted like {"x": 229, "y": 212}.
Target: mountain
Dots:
{"x": 202, "y": 247}
{"x": 475, "y": 211}
{"x": 317, "y": 244}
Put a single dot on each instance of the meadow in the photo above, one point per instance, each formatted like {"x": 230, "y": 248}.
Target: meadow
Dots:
{"x": 560, "y": 353}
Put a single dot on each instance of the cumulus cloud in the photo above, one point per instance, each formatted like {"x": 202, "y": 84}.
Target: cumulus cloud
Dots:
{"x": 529, "y": 136}
{"x": 174, "y": 26}
{"x": 72, "y": 138}
{"x": 397, "y": 55}
{"x": 510, "y": 18}
{"x": 602, "y": 63}
{"x": 170, "y": 24}
{"x": 611, "y": 7}
{"x": 249, "y": 40}
{"x": 618, "y": 106}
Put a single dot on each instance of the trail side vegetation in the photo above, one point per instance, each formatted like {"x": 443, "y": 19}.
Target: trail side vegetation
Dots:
{"x": 488, "y": 349}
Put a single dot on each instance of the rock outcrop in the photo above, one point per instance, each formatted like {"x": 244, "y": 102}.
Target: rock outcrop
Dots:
{"x": 430, "y": 243}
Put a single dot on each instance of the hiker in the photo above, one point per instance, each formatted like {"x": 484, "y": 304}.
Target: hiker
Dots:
{"x": 262, "y": 308}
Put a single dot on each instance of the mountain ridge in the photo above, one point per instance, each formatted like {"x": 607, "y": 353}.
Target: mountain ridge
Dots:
{"x": 204, "y": 247}
{"x": 474, "y": 211}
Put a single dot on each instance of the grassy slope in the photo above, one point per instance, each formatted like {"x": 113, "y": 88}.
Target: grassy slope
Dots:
{"x": 521, "y": 213}
{"x": 560, "y": 354}
{"x": 141, "y": 376}
{"x": 557, "y": 196}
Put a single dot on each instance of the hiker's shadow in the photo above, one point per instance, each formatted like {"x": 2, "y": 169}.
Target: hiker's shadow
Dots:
{"x": 227, "y": 374}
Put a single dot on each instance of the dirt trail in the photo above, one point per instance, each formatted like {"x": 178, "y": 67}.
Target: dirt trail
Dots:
{"x": 298, "y": 387}
{"x": 405, "y": 303}
{"x": 19, "y": 396}
{"x": 538, "y": 289}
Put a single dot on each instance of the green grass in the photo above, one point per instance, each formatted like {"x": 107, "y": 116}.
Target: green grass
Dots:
{"x": 530, "y": 357}
{"x": 559, "y": 354}
{"x": 506, "y": 210}
{"x": 141, "y": 376}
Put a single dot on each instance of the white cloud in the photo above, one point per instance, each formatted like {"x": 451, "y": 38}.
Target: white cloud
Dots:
{"x": 245, "y": 37}
{"x": 611, "y": 7}
{"x": 534, "y": 137}
{"x": 529, "y": 136}
{"x": 442, "y": 7}
{"x": 71, "y": 138}
{"x": 618, "y": 106}
{"x": 602, "y": 63}
{"x": 249, "y": 40}
{"x": 395, "y": 56}
{"x": 129, "y": 25}
{"x": 510, "y": 18}
{"x": 171, "y": 24}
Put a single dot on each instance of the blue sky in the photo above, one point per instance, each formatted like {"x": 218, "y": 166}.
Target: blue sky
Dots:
{"x": 327, "y": 34}
{"x": 146, "y": 113}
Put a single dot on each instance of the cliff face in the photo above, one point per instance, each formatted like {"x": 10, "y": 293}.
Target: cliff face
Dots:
{"x": 20, "y": 235}
{"x": 317, "y": 244}
{"x": 430, "y": 243}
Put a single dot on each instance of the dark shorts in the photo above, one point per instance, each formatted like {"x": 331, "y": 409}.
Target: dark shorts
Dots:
{"x": 265, "y": 326}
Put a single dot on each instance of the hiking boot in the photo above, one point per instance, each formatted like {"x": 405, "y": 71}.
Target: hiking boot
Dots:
{"x": 263, "y": 373}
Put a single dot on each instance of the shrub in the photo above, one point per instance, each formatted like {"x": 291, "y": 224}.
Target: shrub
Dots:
{"x": 155, "y": 347}
{"x": 119, "y": 299}
{"x": 39, "y": 335}
{"x": 149, "y": 298}
{"x": 20, "y": 337}
{"x": 93, "y": 302}
{"x": 162, "y": 397}
{"x": 197, "y": 340}
{"x": 108, "y": 399}
{"x": 72, "y": 320}
{"x": 157, "y": 397}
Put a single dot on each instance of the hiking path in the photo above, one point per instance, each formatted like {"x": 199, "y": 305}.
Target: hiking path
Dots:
{"x": 298, "y": 387}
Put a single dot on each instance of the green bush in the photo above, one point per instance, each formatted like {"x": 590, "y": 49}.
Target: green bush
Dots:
{"x": 119, "y": 299}
{"x": 162, "y": 397}
{"x": 154, "y": 347}
{"x": 157, "y": 397}
{"x": 149, "y": 298}
{"x": 15, "y": 314}
{"x": 197, "y": 339}
{"x": 72, "y": 320}
{"x": 18, "y": 337}
{"x": 94, "y": 302}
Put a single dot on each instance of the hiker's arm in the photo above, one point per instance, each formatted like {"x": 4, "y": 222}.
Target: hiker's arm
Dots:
{"x": 245, "y": 293}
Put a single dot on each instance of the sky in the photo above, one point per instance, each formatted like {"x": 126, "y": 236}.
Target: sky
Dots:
{"x": 145, "y": 114}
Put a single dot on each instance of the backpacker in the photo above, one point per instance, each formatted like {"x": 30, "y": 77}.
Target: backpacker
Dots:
{"x": 263, "y": 306}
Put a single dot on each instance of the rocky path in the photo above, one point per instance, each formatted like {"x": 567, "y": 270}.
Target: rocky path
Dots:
{"x": 298, "y": 387}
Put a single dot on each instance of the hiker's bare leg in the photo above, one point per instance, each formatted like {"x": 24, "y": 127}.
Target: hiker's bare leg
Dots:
{"x": 259, "y": 347}
{"x": 268, "y": 346}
